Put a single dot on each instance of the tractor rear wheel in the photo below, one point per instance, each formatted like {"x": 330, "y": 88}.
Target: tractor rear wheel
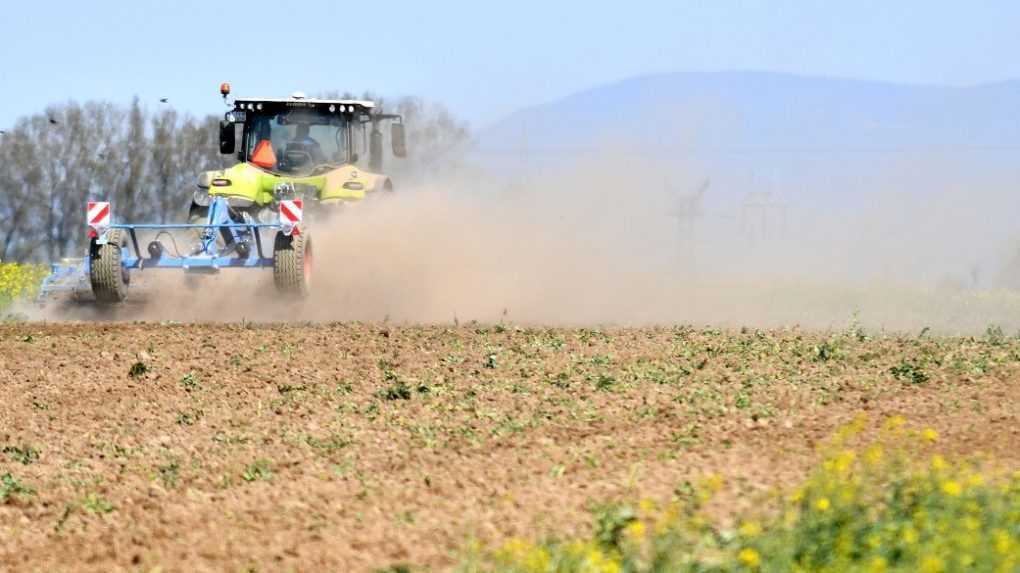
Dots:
{"x": 292, "y": 263}
{"x": 108, "y": 276}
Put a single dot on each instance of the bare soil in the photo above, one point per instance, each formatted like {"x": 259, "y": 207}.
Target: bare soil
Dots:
{"x": 351, "y": 447}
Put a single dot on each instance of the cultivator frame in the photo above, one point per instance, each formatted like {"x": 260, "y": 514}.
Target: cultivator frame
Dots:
{"x": 115, "y": 250}
{"x": 236, "y": 251}
{"x": 68, "y": 278}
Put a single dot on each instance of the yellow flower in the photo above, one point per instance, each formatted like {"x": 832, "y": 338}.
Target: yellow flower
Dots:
{"x": 932, "y": 564}
{"x": 952, "y": 488}
{"x": 516, "y": 548}
{"x": 537, "y": 560}
{"x": 599, "y": 563}
{"x": 749, "y": 557}
{"x": 797, "y": 496}
{"x": 714, "y": 483}
{"x": 873, "y": 455}
{"x": 750, "y": 529}
{"x": 646, "y": 506}
{"x": 878, "y": 565}
{"x": 844, "y": 461}
{"x": 1002, "y": 541}
{"x": 823, "y": 504}
{"x": 894, "y": 423}
{"x": 938, "y": 463}
{"x": 929, "y": 435}
{"x": 636, "y": 530}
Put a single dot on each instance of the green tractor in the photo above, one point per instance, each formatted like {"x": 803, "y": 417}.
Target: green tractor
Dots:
{"x": 298, "y": 148}
{"x": 297, "y": 156}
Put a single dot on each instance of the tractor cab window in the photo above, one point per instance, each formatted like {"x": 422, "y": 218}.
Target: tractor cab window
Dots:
{"x": 296, "y": 142}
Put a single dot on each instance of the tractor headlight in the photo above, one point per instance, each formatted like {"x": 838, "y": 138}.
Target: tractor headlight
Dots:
{"x": 284, "y": 191}
{"x": 202, "y": 196}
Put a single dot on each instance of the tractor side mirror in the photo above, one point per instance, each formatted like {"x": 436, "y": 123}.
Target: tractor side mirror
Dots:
{"x": 399, "y": 141}
{"x": 227, "y": 138}
{"x": 375, "y": 150}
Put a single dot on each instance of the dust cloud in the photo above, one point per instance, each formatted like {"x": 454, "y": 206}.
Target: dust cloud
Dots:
{"x": 608, "y": 241}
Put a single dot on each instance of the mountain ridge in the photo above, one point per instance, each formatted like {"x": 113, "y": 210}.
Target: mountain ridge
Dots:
{"x": 763, "y": 109}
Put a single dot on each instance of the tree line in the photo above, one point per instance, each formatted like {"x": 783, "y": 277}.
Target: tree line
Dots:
{"x": 146, "y": 162}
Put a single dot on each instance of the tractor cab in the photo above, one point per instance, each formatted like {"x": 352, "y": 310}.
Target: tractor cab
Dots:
{"x": 325, "y": 151}
{"x": 300, "y": 136}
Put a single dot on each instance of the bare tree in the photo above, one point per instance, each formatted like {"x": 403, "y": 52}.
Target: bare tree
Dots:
{"x": 53, "y": 162}
{"x": 434, "y": 135}
{"x": 20, "y": 185}
{"x": 164, "y": 165}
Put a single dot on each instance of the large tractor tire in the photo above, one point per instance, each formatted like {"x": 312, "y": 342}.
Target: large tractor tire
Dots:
{"x": 108, "y": 276}
{"x": 292, "y": 263}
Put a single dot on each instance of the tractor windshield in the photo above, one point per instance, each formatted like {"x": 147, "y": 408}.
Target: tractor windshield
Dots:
{"x": 296, "y": 141}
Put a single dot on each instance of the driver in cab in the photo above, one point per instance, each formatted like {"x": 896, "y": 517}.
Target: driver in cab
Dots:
{"x": 303, "y": 142}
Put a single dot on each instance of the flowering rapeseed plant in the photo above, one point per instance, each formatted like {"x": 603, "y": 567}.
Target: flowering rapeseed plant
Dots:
{"x": 19, "y": 281}
{"x": 891, "y": 505}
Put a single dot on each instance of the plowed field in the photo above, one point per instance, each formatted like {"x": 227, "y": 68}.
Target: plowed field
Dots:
{"x": 351, "y": 447}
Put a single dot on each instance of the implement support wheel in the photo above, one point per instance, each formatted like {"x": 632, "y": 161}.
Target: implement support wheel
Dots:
{"x": 292, "y": 263}
{"x": 109, "y": 278}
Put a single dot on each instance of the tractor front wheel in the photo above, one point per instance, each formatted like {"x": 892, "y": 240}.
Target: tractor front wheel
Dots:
{"x": 108, "y": 276}
{"x": 292, "y": 263}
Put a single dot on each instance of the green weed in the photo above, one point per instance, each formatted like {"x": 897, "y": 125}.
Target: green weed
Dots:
{"x": 11, "y": 488}
{"x": 95, "y": 504}
{"x": 137, "y": 370}
{"x": 24, "y": 454}
{"x": 190, "y": 382}
{"x": 909, "y": 372}
{"x": 259, "y": 470}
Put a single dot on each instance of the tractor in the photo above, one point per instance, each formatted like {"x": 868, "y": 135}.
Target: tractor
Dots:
{"x": 299, "y": 158}
{"x": 298, "y": 147}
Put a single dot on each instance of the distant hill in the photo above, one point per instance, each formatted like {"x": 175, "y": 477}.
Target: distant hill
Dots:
{"x": 809, "y": 139}
{"x": 758, "y": 111}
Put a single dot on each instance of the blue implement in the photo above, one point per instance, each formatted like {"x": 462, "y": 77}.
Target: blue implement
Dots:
{"x": 228, "y": 239}
{"x": 68, "y": 278}
{"x": 242, "y": 243}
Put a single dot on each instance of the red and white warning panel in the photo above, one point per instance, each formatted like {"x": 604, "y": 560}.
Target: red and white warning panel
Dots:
{"x": 290, "y": 215}
{"x": 98, "y": 217}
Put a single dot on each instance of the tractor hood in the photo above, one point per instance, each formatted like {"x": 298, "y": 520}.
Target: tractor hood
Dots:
{"x": 246, "y": 183}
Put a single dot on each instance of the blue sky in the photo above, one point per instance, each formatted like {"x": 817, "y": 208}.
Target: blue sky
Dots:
{"x": 482, "y": 59}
